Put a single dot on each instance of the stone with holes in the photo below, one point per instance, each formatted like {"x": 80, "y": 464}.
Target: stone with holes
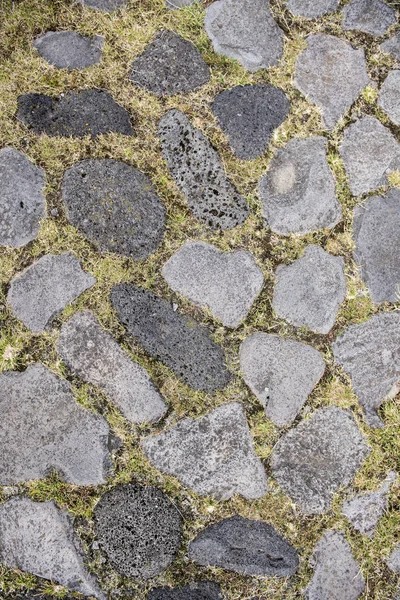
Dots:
{"x": 69, "y": 49}
{"x": 202, "y": 590}
{"x": 105, "y": 5}
{"x": 389, "y": 97}
{"x": 312, "y": 9}
{"x": 369, "y": 16}
{"x": 392, "y": 46}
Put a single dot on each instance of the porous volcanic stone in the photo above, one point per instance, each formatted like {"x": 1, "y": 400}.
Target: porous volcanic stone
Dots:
{"x": 308, "y": 292}
{"x": 312, "y": 8}
{"x": 331, "y": 74}
{"x": 202, "y": 590}
{"x": 199, "y": 173}
{"x": 393, "y": 562}
{"x": 105, "y": 5}
{"x": 85, "y": 112}
{"x": 245, "y": 30}
{"x": 368, "y": 16}
{"x": 22, "y": 203}
{"x": 248, "y": 115}
{"x": 298, "y": 190}
{"x": 321, "y": 454}
{"x": 172, "y": 4}
{"x": 139, "y": 529}
{"x": 281, "y": 373}
{"x": 170, "y": 65}
{"x": 225, "y": 282}
{"x": 392, "y": 46}
{"x": 69, "y": 49}
{"x": 389, "y": 98}
{"x": 115, "y": 206}
{"x": 245, "y": 546}
{"x": 211, "y": 455}
{"x": 90, "y": 352}
{"x": 370, "y": 354}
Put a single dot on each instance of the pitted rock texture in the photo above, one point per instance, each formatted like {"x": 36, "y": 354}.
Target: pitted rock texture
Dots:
{"x": 202, "y": 590}
{"x": 105, "y": 5}
{"x": 309, "y": 292}
{"x": 392, "y": 46}
{"x": 321, "y": 454}
{"x": 199, "y": 173}
{"x": 389, "y": 97}
{"x": 211, "y": 455}
{"x": 282, "y": 374}
{"x": 69, "y": 49}
{"x": 248, "y": 115}
{"x": 331, "y": 74}
{"x": 22, "y": 203}
{"x": 139, "y": 529}
{"x": 312, "y": 9}
{"x": 298, "y": 190}
{"x": 41, "y": 292}
{"x": 90, "y": 352}
{"x": 173, "y": 4}
{"x": 393, "y": 562}
{"x": 369, "y": 16}
{"x": 115, "y": 206}
{"x": 245, "y": 546}
{"x": 225, "y": 282}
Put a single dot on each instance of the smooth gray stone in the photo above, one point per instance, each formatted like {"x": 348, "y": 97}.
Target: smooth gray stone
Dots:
{"x": 245, "y": 546}
{"x": 139, "y": 529}
{"x": 199, "y": 173}
{"x": 368, "y": 16}
{"x": 298, "y": 190}
{"x": 312, "y": 9}
{"x": 331, "y": 74}
{"x": 211, "y": 455}
{"x": 225, "y": 282}
{"x": 172, "y": 4}
{"x": 93, "y": 354}
{"x": 105, "y": 5}
{"x": 69, "y": 49}
{"x": 309, "y": 292}
{"x": 370, "y": 354}
{"x": 22, "y": 203}
{"x": 392, "y": 46}
{"x": 245, "y": 30}
{"x": 313, "y": 460}
{"x": 202, "y": 590}
{"x": 389, "y": 97}
{"x": 393, "y": 562}
{"x": 282, "y": 374}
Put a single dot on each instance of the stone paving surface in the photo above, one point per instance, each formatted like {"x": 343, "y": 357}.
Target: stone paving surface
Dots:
{"x": 312, "y": 8}
{"x": 203, "y": 590}
{"x": 389, "y": 96}
{"x": 69, "y": 49}
{"x": 369, "y": 16}
{"x": 106, "y": 5}
{"x": 392, "y": 46}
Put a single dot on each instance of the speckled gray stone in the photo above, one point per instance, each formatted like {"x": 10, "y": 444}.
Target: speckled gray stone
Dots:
{"x": 173, "y": 4}
{"x": 389, "y": 97}
{"x": 392, "y": 46}
{"x": 368, "y": 16}
{"x": 69, "y": 49}
{"x": 321, "y": 454}
{"x": 105, "y": 5}
{"x": 312, "y": 9}
{"x": 393, "y": 562}
{"x": 202, "y": 590}
{"x": 211, "y": 455}
{"x": 199, "y": 173}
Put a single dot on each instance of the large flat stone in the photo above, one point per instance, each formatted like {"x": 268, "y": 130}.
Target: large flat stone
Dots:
{"x": 69, "y": 49}
{"x": 312, "y": 9}
{"x": 392, "y": 46}
{"x": 202, "y": 590}
{"x": 105, "y": 5}
{"x": 389, "y": 97}
{"x": 369, "y": 16}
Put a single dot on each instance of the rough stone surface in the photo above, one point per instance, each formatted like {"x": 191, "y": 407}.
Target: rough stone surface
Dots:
{"x": 298, "y": 190}
{"x": 281, "y": 373}
{"x": 248, "y": 115}
{"x": 170, "y": 65}
{"x": 202, "y": 590}
{"x": 115, "y": 206}
{"x": 105, "y": 5}
{"x": 331, "y": 74}
{"x": 22, "y": 203}
{"x": 245, "y": 30}
{"x": 225, "y": 282}
{"x": 245, "y": 546}
{"x": 199, "y": 173}
{"x": 211, "y": 455}
{"x": 312, "y": 9}
{"x": 317, "y": 457}
{"x": 370, "y": 354}
{"x": 368, "y": 16}
{"x": 389, "y": 98}
{"x": 85, "y": 112}
{"x": 392, "y": 46}
{"x": 90, "y": 352}
{"x": 139, "y": 529}
{"x": 172, "y": 4}
{"x": 309, "y": 292}
{"x": 69, "y": 49}
{"x": 393, "y": 562}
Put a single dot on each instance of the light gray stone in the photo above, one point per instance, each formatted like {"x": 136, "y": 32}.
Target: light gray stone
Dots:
{"x": 393, "y": 562}
{"x": 389, "y": 97}
{"x": 173, "y": 4}
{"x": 312, "y": 9}
{"x": 211, "y": 455}
{"x": 105, "y": 5}
{"x": 69, "y": 49}
{"x": 392, "y": 46}
{"x": 368, "y": 16}
{"x": 225, "y": 282}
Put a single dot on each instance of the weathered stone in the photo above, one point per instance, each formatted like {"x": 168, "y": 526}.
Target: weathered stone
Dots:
{"x": 105, "y": 5}
{"x": 321, "y": 454}
{"x": 309, "y": 292}
{"x": 69, "y": 49}
{"x": 226, "y": 283}
{"x": 392, "y": 46}
{"x": 245, "y": 546}
{"x": 389, "y": 98}
{"x": 172, "y": 4}
{"x": 298, "y": 190}
{"x": 211, "y": 455}
{"x": 115, "y": 206}
{"x": 312, "y": 9}
{"x": 393, "y": 562}
{"x": 139, "y": 529}
{"x": 281, "y": 373}
{"x": 331, "y": 74}
{"x": 199, "y": 173}
{"x": 22, "y": 203}
{"x": 368, "y": 16}
{"x": 202, "y": 590}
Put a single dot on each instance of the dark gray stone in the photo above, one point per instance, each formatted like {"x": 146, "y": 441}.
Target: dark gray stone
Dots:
{"x": 368, "y": 16}
{"x": 202, "y": 590}
{"x": 389, "y": 97}
{"x": 393, "y": 562}
{"x": 69, "y": 49}
{"x": 312, "y": 9}
{"x": 392, "y": 46}
{"x": 115, "y": 206}
{"x": 172, "y": 4}
{"x": 105, "y": 5}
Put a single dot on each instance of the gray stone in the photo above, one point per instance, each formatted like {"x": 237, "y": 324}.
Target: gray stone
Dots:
{"x": 245, "y": 30}
{"x": 199, "y": 173}
{"x": 43, "y": 290}
{"x": 172, "y": 4}
{"x": 248, "y": 115}
{"x": 313, "y": 460}
{"x": 392, "y": 46}
{"x": 22, "y": 203}
{"x": 105, "y": 5}
{"x": 170, "y": 65}
{"x": 312, "y": 9}
{"x": 225, "y": 282}
{"x": 393, "y": 562}
{"x": 331, "y": 74}
{"x": 139, "y": 529}
{"x": 282, "y": 374}
{"x": 309, "y": 292}
{"x": 211, "y": 455}
{"x": 298, "y": 190}
{"x": 245, "y": 546}
{"x": 368, "y": 16}
{"x": 389, "y": 97}
{"x": 202, "y": 590}
{"x": 115, "y": 206}
{"x": 370, "y": 354}
{"x": 69, "y": 49}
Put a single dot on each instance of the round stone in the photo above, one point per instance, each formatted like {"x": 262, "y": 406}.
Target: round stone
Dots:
{"x": 312, "y": 8}
{"x": 389, "y": 98}
{"x": 69, "y": 49}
